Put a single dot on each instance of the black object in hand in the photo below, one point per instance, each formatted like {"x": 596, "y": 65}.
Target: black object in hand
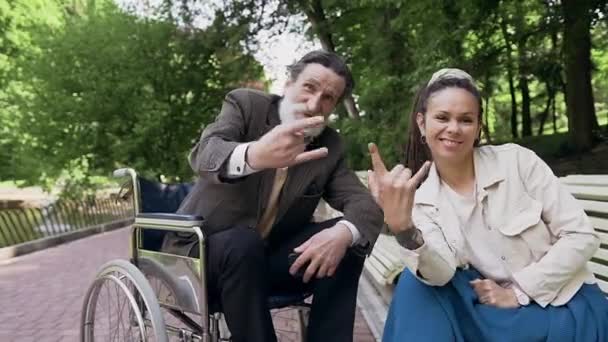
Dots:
{"x": 291, "y": 259}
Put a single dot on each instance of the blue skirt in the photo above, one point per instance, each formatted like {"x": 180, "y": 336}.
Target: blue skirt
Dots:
{"x": 452, "y": 312}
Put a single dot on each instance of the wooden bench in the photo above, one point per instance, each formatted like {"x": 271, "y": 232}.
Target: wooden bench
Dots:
{"x": 387, "y": 261}
{"x": 592, "y": 192}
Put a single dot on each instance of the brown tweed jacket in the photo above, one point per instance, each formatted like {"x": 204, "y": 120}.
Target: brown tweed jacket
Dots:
{"x": 245, "y": 116}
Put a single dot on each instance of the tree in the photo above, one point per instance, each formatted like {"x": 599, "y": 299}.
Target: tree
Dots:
{"x": 577, "y": 64}
{"x": 19, "y": 20}
{"x": 112, "y": 89}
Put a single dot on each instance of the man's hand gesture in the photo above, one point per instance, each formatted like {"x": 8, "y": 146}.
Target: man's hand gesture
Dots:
{"x": 394, "y": 190}
{"x": 285, "y": 145}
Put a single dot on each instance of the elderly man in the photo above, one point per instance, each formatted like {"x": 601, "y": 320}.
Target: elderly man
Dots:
{"x": 263, "y": 166}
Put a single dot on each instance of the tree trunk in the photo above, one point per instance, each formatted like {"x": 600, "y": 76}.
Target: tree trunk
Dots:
{"x": 577, "y": 60}
{"x": 523, "y": 71}
{"x": 316, "y": 15}
{"x": 545, "y": 114}
{"x": 526, "y": 119}
{"x": 505, "y": 33}
{"x": 485, "y": 126}
{"x": 554, "y": 114}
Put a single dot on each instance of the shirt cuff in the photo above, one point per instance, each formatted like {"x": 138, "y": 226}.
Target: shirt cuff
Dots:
{"x": 522, "y": 298}
{"x": 237, "y": 166}
{"x": 353, "y": 230}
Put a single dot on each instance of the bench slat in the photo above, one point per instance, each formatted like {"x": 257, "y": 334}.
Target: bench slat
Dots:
{"x": 603, "y": 285}
{"x": 594, "y": 193}
{"x": 389, "y": 248}
{"x": 599, "y": 223}
{"x": 387, "y": 263}
{"x": 595, "y": 208}
{"x": 372, "y": 267}
{"x": 602, "y": 254}
{"x": 388, "y": 258}
{"x": 598, "y": 268}
{"x": 603, "y": 236}
{"x": 590, "y": 180}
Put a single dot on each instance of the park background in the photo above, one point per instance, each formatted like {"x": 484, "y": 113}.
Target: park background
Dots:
{"x": 88, "y": 86}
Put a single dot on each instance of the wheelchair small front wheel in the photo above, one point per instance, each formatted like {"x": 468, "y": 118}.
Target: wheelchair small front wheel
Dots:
{"x": 120, "y": 305}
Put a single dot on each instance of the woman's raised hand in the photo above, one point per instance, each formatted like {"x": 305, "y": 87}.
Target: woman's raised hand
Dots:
{"x": 394, "y": 190}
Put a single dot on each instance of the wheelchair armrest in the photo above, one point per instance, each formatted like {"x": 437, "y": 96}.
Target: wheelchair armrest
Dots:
{"x": 169, "y": 216}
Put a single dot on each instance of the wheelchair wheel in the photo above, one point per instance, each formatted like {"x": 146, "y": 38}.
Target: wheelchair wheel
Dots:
{"x": 121, "y": 306}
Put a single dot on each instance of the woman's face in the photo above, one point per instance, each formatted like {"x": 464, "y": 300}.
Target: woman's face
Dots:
{"x": 451, "y": 124}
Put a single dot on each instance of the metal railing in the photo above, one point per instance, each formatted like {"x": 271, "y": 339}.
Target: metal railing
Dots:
{"x": 27, "y": 224}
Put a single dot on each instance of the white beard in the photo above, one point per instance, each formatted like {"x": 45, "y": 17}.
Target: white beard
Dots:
{"x": 288, "y": 113}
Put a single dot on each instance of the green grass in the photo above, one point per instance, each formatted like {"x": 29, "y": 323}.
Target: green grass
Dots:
{"x": 552, "y": 145}
{"x": 547, "y": 146}
{"x": 10, "y": 183}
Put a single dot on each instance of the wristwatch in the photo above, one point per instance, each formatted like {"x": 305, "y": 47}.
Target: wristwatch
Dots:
{"x": 411, "y": 238}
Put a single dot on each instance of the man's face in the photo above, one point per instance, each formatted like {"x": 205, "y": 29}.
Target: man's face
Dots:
{"x": 314, "y": 93}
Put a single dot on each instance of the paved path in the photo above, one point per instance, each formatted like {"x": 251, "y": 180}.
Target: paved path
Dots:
{"x": 41, "y": 293}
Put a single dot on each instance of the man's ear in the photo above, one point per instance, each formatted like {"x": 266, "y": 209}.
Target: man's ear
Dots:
{"x": 420, "y": 122}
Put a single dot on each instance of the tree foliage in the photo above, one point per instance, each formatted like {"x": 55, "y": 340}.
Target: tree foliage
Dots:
{"x": 110, "y": 89}
{"x": 516, "y": 50}
{"x": 88, "y": 86}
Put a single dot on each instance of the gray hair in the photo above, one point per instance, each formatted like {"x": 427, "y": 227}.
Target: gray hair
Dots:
{"x": 327, "y": 59}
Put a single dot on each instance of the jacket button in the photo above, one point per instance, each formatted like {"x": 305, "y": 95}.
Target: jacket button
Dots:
{"x": 503, "y": 258}
{"x": 238, "y": 168}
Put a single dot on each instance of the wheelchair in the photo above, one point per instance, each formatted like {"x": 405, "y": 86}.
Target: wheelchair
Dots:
{"x": 159, "y": 296}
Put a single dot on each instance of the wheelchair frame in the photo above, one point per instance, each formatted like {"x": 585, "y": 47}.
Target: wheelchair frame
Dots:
{"x": 184, "y": 280}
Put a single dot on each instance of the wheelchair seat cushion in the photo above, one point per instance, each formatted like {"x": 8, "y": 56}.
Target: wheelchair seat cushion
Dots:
{"x": 160, "y": 198}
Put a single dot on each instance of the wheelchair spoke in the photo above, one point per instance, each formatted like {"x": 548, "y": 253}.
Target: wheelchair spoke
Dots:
{"x": 119, "y": 321}
{"x": 120, "y": 307}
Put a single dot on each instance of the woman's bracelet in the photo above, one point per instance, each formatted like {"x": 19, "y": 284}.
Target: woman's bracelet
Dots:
{"x": 410, "y": 238}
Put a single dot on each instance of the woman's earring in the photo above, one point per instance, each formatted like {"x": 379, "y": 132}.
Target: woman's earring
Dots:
{"x": 423, "y": 139}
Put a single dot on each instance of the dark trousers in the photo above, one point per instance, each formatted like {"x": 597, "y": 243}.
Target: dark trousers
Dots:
{"x": 243, "y": 270}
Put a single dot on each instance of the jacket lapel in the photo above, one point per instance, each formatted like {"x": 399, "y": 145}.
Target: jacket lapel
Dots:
{"x": 298, "y": 178}
{"x": 441, "y": 210}
{"x": 429, "y": 198}
{"x": 272, "y": 119}
{"x": 487, "y": 174}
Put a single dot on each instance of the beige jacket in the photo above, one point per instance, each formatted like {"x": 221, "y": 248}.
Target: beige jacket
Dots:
{"x": 547, "y": 238}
